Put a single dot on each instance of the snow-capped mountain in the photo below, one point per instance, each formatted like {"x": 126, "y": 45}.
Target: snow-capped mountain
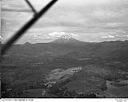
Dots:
{"x": 67, "y": 38}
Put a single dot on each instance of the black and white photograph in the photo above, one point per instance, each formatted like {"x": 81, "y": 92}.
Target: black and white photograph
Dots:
{"x": 64, "y": 49}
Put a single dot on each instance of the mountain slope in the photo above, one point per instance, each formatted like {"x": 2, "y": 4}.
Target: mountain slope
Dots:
{"x": 73, "y": 48}
{"x": 25, "y": 66}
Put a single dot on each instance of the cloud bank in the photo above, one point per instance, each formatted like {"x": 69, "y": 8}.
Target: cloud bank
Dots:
{"x": 91, "y": 20}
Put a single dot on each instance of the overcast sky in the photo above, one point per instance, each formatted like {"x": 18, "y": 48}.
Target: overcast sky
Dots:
{"x": 86, "y": 20}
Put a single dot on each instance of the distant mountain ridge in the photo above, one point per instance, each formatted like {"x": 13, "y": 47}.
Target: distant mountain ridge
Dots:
{"x": 72, "y": 48}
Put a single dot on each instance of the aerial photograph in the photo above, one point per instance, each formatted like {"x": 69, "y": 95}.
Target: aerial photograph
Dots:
{"x": 64, "y": 48}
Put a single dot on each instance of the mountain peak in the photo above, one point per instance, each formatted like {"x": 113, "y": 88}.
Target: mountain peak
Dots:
{"x": 66, "y": 39}
{"x": 27, "y": 43}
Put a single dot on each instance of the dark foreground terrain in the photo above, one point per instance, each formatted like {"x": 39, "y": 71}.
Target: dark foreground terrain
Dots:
{"x": 66, "y": 68}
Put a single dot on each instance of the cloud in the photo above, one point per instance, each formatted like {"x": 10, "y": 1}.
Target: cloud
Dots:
{"x": 113, "y": 25}
{"x": 59, "y": 34}
{"x": 115, "y": 35}
{"x": 105, "y": 14}
{"x": 126, "y": 35}
{"x": 15, "y": 10}
{"x": 90, "y": 19}
{"x": 108, "y": 36}
{"x": 1, "y": 38}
